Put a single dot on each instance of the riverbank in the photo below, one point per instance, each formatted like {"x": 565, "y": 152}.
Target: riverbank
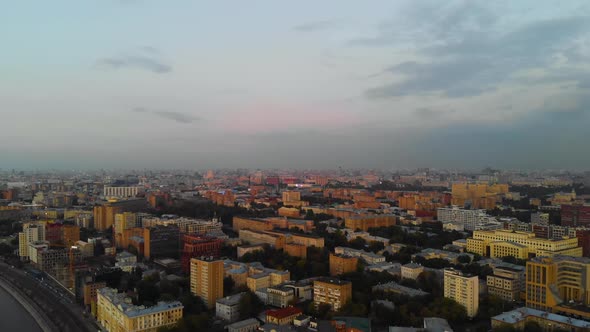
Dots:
{"x": 40, "y": 318}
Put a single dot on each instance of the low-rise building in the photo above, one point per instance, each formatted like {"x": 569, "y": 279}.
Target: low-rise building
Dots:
{"x": 506, "y": 282}
{"x": 411, "y": 271}
{"x": 368, "y": 257}
{"x": 280, "y": 296}
{"x": 228, "y": 308}
{"x": 518, "y": 318}
{"x": 395, "y": 288}
{"x": 248, "y": 325}
{"x": 283, "y": 316}
{"x": 116, "y": 313}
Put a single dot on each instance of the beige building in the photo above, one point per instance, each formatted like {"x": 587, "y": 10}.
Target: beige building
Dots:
{"x": 207, "y": 280}
{"x": 500, "y": 243}
{"x": 506, "y": 282}
{"x": 31, "y": 233}
{"x": 411, "y": 271}
{"x": 115, "y": 313}
{"x": 463, "y": 289}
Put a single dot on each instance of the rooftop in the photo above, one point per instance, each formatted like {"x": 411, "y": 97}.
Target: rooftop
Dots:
{"x": 123, "y": 303}
{"x": 284, "y": 312}
{"x": 230, "y": 300}
{"x": 244, "y": 323}
{"x": 517, "y": 315}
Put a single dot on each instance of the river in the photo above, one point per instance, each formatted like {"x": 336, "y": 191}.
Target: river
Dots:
{"x": 13, "y": 317}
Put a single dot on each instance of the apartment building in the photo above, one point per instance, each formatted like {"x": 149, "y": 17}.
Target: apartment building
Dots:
{"x": 206, "y": 280}
{"x": 331, "y": 291}
{"x": 464, "y": 289}
{"x": 340, "y": 264}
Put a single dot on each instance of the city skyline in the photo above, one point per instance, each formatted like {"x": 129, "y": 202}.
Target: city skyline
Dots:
{"x": 135, "y": 84}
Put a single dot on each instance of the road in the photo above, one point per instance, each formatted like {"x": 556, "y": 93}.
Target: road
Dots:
{"x": 54, "y": 302}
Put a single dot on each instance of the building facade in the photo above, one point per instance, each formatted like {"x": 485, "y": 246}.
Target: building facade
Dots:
{"x": 463, "y": 289}
{"x": 115, "y": 313}
{"x": 207, "y": 280}
{"x": 333, "y": 292}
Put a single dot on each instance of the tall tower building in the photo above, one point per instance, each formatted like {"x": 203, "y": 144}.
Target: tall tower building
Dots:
{"x": 463, "y": 289}
{"x": 207, "y": 280}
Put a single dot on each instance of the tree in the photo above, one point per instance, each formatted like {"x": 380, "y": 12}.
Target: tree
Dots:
{"x": 376, "y": 246}
{"x": 464, "y": 259}
{"x": 358, "y": 243}
{"x": 228, "y": 286}
{"x": 249, "y": 305}
{"x": 147, "y": 292}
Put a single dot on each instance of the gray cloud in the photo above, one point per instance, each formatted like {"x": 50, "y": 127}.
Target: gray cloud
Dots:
{"x": 144, "y": 61}
{"x": 170, "y": 115}
{"x": 315, "y": 26}
{"x": 466, "y": 54}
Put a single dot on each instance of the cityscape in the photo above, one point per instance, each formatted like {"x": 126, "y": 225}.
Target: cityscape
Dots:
{"x": 287, "y": 250}
{"x": 305, "y": 166}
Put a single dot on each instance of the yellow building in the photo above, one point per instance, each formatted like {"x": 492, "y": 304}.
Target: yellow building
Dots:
{"x": 463, "y": 289}
{"x": 257, "y": 281}
{"x": 553, "y": 283}
{"x": 501, "y": 242}
{"x": 207, "y": 280}
{"x": 340, "y": 264}
{"x": 115, "y": 313}
{"x": 479, "y": 195}
{"x": 123, "y": 221}
{"x": 333, "y": 292}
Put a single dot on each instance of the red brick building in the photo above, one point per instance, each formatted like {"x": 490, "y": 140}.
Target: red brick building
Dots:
{"x": 575, "y": 215}
{"x": 194, "y": 246}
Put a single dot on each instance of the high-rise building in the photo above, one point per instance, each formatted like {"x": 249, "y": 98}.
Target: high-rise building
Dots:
{"x": 116, "y": 313}
{"x": 458, "y": 216}
{"x": 331, "y": 291}
{"x": 559, "y": 284}
{"x": 104, "y": 215}
{"x": 31, "y": 233}
{"x": 464, "y": 289}
{"x": 207, "y": 280}
{"x": 161, "y": 241}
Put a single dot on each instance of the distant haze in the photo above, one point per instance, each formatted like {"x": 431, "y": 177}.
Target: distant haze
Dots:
{"x": 314, "y": 84}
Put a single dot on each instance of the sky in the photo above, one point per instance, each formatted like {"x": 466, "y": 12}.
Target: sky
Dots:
{"x": 300, "y": 84}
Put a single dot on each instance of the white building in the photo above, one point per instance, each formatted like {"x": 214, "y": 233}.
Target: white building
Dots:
{"x": 469, "y": 219}
{"x": 411, "y": 271}
{"x": 227, "y": 308}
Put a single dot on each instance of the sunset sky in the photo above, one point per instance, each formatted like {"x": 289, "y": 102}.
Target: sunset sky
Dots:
{"x": 302, "y": 84}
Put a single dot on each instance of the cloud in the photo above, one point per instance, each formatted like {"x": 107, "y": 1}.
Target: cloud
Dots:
{"x": 135, "y": 61}
{"x": 145, "y": 58}
{"x": 465, "y": 51}
{"x": 170, "y": 115}
{"x": 315, "y": 26}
